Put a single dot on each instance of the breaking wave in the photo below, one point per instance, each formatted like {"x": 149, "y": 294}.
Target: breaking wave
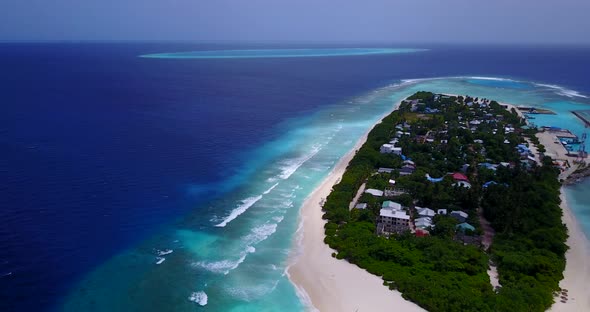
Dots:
{"x": 291, "y": 165}
{"x": 562, "y": 91}
{"x": 225, "y": 266}
{"x": 246, "y": 203}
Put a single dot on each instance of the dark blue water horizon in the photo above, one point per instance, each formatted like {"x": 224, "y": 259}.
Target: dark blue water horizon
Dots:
{"x": 103, "y": 149}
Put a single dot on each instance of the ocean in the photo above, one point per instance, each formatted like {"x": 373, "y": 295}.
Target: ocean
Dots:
{"x": 113, "y": 162}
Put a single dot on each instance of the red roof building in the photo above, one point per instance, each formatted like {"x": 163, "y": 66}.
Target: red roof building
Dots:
{"x": 421, "y": 233}
{"x": 460, "y": 177}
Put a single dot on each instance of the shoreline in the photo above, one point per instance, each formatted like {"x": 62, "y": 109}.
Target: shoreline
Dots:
{"x": 327, "y": 283}
{"x": 577, "y": 267}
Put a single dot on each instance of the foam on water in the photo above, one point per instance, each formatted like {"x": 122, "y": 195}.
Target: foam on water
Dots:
{"x": 270, "y": 189}
{"x": 200, "y": 297}
{"x": 252, "y": 292}
{"x": 246, "y": 203}
{"x": 260, "y": 233}
{"x": 225, "y": 266}
{"x": 288, "y": 167}
{"x": 563, "y": 91}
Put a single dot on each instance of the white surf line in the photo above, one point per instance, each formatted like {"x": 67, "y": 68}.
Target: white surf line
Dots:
{"x": 246, "y": 203}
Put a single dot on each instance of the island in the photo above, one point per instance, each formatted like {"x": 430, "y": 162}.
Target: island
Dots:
{"x": 453, "y": 204}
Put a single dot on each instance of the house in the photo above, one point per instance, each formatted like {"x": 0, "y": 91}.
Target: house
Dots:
{"x": 407, "y": 170}
{"x": 488, "y": 166}
{"x": 457, "y": 176}
{"x": 385, "y": 170}
{"x": 374, "y": 192}
{"x": 441, "y": 211}
{"x": 423, "y": 223}
{"x": 487, "y": 184}
{"x": 390, "y": 149}
{"x": 464, "y": 227}
{"x": 464, "y": 168}
{"x": 422, "y": 233}
{"x": 386, "y": 148}
{"x": 464, "y": 184}
{"x": 388, "y": 204}
{"x": 425, "y": 212}
{"x": 409, "y": 162}
{"x": 392, "y": 221}
{"x": 361, "y": 206}
{"x": 459, "y": 215}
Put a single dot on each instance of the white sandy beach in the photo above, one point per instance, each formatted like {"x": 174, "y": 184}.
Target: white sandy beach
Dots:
{"x": 577, "y": 270}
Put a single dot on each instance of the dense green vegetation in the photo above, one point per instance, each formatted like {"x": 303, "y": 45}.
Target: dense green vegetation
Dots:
{"x": 437, "y": 272}
{"x": 529, "y": 247}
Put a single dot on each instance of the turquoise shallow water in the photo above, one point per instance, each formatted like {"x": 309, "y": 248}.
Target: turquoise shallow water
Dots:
{"x": 278, "y": 53}
{"x": 237, "y": 260}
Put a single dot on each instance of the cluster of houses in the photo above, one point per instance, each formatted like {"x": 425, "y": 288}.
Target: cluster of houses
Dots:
{"x": 390, "y": 148}
{"x": 394, "y": 218}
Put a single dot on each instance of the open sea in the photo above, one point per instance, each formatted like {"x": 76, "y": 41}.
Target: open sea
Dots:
{"x": 134, "y": 183}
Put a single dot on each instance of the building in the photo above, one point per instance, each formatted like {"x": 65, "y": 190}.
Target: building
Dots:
{"x": 392, "y": 221}
{"x": 388, "y": 204}
{"x": 459, "y": 215}
{"x": 407, "y": 170}
{"x": 390, "y": 149}
{"x": 423, "y": 223}
{"x": 457, "y": 176}
{"x": 385, "y": 170}
{"x": 425, "y": 212}
{"x": 463, "y": 184}
{"x": 464, "y": 227}
{"x": 361, "y": 206}
{"x": 374, "y": 192}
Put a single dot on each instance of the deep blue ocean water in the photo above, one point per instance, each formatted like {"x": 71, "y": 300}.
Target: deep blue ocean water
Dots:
{"x": 109, "y": 158}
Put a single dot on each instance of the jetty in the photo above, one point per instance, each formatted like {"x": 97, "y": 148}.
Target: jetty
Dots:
{"x": 581, "y": 115}
{"x": 534, "y": 110}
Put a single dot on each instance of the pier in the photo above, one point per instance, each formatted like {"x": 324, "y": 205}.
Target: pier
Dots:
{"x": 580, "y": 115}
{"x": 534, "y": 110}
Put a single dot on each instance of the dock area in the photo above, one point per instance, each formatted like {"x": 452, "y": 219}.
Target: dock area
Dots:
{"x": 561, "y": 133}
{"x": 534, "y": 110}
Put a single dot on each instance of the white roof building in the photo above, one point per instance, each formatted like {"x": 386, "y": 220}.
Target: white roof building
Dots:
{"x": 425, "y": 212}
{"x": 395, "y": 214}
{"x": 460, "y": 215}
{"x": 463, "y": 184}
{"x": 385, "y": 170}
{"x": 361, "y": 206}
{"x": 374, "y": 192}
{"x": 423, "y": 222}
{"x": 388, "y": 204}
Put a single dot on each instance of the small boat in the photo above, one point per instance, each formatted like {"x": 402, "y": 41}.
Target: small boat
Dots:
{"x": 160, "y": 260}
